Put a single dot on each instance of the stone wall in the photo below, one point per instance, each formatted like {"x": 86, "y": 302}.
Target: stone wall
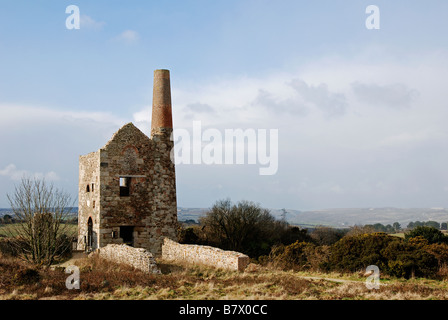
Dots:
{"x": 206, "y": 255}
{"x": 138, "y": 258}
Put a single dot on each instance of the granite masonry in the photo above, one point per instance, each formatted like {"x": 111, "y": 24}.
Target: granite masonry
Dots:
{"x": 210, "y": 256}
{"x": 127, "y": 189}
{"x": 138, "y": 258}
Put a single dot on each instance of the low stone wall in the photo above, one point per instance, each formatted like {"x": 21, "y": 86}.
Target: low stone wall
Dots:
{"x": 206, "y": 255}
{"x": 138, "y": 258}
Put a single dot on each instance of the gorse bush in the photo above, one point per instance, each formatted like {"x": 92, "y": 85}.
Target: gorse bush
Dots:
{"x": 298, "y": 256}
{"x": 354, "y": 253}
{"x": 292, "y": 256}
{"x": 392, "y": 255}
{"x": 405, "y": 261}
{"x": 431, "y": 234}
{"x": 418, "y": 242}
{"x": 440, "y": 251}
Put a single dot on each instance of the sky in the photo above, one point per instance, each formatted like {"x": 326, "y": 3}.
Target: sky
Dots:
{"x": 361, "y": 114}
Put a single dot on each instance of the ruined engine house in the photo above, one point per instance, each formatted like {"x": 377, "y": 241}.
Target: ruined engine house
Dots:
{"x": 127, "y": 189}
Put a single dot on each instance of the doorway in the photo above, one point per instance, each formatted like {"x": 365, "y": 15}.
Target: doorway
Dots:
{"x": 89, "y": 243}
{"x": 127, "y": 234}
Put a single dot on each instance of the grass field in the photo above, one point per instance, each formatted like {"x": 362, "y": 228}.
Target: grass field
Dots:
{"x": 103, "y": 280}
{"x": 400, "y": 234}
{"x": 10, "y": 229}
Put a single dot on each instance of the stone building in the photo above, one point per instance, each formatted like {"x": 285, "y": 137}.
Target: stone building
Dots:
{"x": 127, "y": 189}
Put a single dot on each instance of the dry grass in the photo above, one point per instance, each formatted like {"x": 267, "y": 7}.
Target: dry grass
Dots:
{"x": 102, "y": 280}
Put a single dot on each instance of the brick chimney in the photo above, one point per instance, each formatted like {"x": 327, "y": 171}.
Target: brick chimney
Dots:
{"x": 162, "y": 120}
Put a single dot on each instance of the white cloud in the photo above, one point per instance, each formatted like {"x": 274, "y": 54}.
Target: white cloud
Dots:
{"x": 11, "y": 172}
{"x": 395, "y": 95}
{"x": 19, "y": 115}
{"x": 89, "y": 23}
{"x": 128, "y": 36}
{"x": 142, "y": 120}
{"x": 408, "y": 138}
{"x": 143, "y": 115}
{"x": 275, "y": 104}
{"x": 332, "y": 104}
{"x": 200, "y": 108}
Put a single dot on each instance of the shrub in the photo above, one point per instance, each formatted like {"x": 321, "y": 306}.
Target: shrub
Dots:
{"x": 317, "y": 257}
{"x": 63, "y": 246}
{"x": 7, "y": 247}
{"x": 440, "y": 251}
{"x": 247, "y": 228}
{"x": 26, "y": 276}
{"x": 418, "y": 242}
{"x": 355, "y": 253}
{"x": 42, "y": 210}
{"x": 289, "y": 257}
{"x": 286, "y": 234}
{"x": 188, "y": 236}
{"x": 326, "y": 235}
{"x": 359, "y": 230}
{"x": 406, "y": 261}
{"x": 298, "y": 256}
{"x": 431, "y": 234}
{"x": 392, "y": 255}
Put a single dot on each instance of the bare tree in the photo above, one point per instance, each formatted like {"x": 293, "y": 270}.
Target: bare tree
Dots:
{"x": 323, "y": 235}
{"x": 239, "y": 227}
{"x": 357, "y": 230}
{"x": 41, "y": 232}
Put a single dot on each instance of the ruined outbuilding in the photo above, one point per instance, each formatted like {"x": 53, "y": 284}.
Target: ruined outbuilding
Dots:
{"x": 127, "y": 189}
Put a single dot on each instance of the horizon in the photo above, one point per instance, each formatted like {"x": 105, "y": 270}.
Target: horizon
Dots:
{"x": 328, "y": 217}
{"x": 315, "y": 209}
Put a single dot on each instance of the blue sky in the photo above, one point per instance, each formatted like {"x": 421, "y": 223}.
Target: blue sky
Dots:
{"x": 360, "y": 113}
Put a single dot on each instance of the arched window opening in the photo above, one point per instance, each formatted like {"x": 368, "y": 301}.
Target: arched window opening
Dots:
{"x": 89, "y": 234}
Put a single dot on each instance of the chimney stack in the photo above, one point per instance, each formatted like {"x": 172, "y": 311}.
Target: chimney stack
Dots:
{"x": 161, "y": 103}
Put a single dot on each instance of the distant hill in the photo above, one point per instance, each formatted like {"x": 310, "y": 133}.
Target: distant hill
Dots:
{"x": 345, "y": 217}
{"x": 337, "y": 217}
{"x": 3, "y": 211}
{"x": 184, "y": 214}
